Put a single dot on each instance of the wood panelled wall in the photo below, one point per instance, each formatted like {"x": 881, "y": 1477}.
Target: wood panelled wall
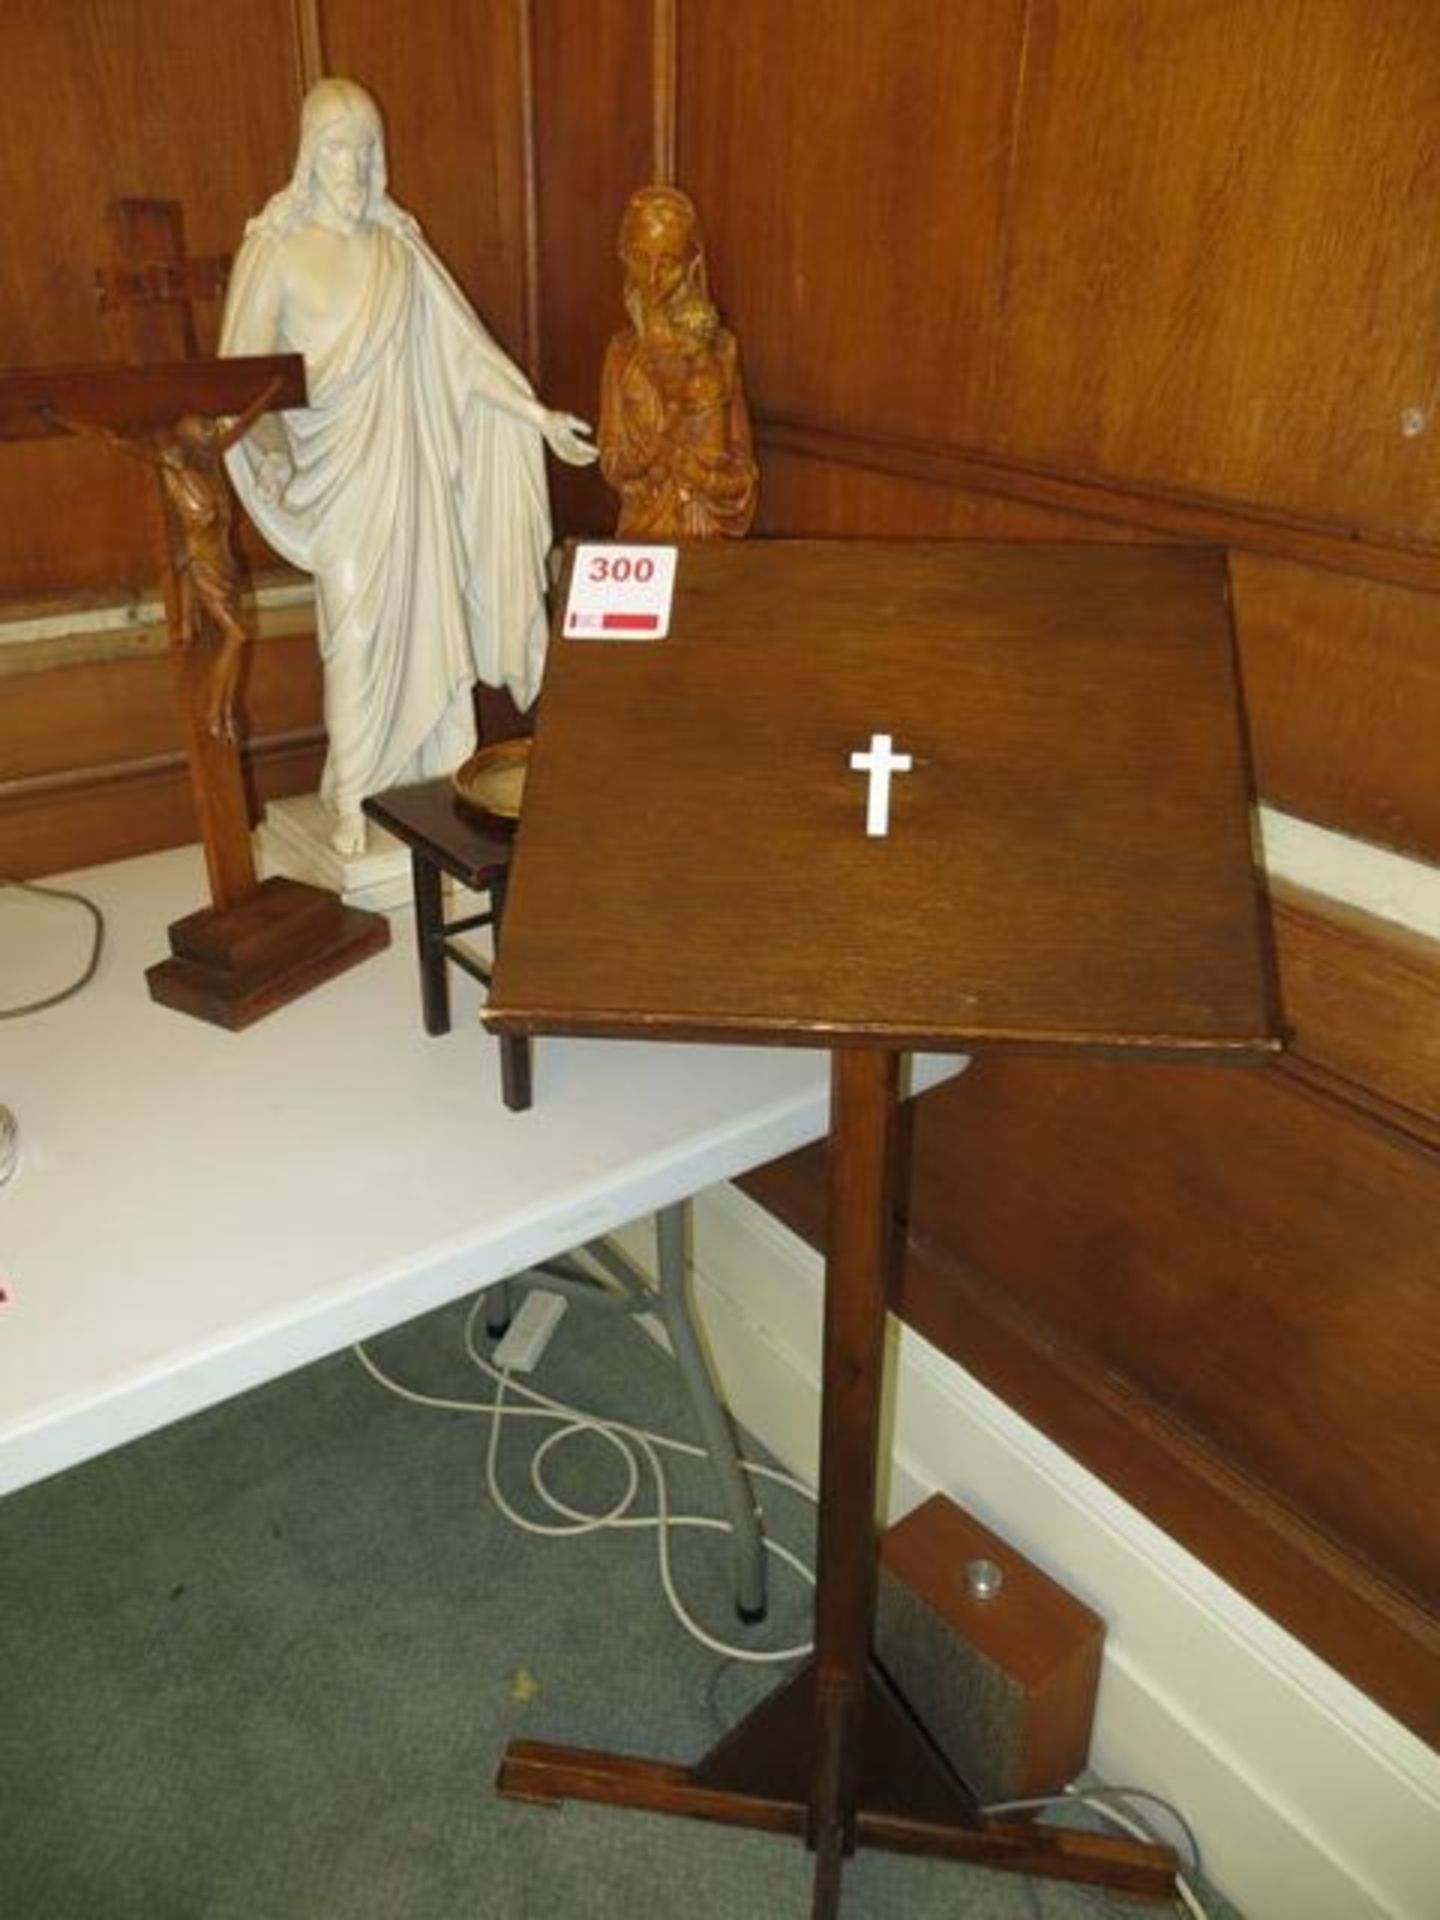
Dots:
{"x": 1168, "y": 268}
{"x": 104, "y": 99}
{"x": 1217, "y": 1287}
{"x": 1132, "y": 271}
{"x": 1108, "y": 269}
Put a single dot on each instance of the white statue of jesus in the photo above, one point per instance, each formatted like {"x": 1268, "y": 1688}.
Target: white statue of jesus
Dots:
{"x": 413, "y": 485}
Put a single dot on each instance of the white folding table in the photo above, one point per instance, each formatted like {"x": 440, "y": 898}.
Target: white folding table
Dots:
{"x": 198, "y": 1211}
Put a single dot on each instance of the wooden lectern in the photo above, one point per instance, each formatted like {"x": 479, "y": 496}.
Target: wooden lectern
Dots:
{"x": 1066, "y": 864}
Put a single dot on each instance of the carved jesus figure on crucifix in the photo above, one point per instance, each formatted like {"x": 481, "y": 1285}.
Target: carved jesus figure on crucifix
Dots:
{"x": 413, "y": 485}
{"x": 186, "y": 458}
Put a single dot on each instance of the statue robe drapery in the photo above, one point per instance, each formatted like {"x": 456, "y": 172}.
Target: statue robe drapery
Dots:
{"x": 418, "y": 503}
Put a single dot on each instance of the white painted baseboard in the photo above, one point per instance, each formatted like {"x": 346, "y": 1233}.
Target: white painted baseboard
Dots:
{"x": 1309, "y": 1801}
{"x": 1395, "y": 886}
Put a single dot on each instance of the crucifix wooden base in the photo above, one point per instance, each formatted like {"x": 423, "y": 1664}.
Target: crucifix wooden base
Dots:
{"x": 233, "y": 965}
{"x": 257, "y": 946}
{"x": 1065, "y": 865}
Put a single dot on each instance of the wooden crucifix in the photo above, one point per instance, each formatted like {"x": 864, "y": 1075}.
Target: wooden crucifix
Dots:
{"x": 151, "y": 286}
{"x": 152, "y": 281}
{"x": 259, "y": 944}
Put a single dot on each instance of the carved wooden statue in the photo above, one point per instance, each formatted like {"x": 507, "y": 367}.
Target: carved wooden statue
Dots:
{"x": 674, "y": 436}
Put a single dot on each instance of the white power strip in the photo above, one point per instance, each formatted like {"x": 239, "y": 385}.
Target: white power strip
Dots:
{"x": 528, "y": 1334}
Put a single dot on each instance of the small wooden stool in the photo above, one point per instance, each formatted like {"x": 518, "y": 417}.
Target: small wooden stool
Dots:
{"x": 444, "y": 837}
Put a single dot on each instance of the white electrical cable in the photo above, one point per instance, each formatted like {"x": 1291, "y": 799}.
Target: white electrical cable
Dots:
{"x": 634, "y": 1444}
{"x": 1099, "y": 1800}
{"x": 97, "y": 941}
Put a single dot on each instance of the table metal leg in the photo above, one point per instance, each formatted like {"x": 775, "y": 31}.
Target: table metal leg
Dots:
{"x": 497, "y": 1309}
{"x": 673, "y": 1298}
{"x": 719, "y": 1438}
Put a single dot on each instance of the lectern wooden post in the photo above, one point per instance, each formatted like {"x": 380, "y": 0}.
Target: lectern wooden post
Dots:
{"x": 259, "y": 944}
{"x": 1060, "y": 859}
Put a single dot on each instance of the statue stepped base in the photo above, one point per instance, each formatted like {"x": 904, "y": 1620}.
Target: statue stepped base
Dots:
{"x": 232, "y": 966}
{"x": 293, "y": 839}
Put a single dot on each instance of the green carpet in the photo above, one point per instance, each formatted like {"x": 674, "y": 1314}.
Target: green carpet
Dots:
{"x": 261, "y": 1666}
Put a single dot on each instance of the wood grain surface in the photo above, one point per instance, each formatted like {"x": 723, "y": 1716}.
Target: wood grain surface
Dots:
{"x": 1068, "y": 863}
{"x": 105, "y": 99}
{"x": 448, "y": 78}
{"x": 593, "y": 76}
{"x": 1224, "y": 243}
{"x": 1362, "y": 998}
{"x": 1341, "y": 674}
{"x": 91, "y": 762}
{"x": 870, "y": 147}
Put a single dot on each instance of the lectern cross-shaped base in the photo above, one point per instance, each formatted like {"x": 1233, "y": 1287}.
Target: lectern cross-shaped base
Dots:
{"x": 259, "y": 944}
{"x": 1067, "y": 866}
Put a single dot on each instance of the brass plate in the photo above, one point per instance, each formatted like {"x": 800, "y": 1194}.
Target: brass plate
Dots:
{"x": 492, "y": 781}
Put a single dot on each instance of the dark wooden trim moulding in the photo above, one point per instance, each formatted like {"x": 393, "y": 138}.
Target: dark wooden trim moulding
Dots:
{"x": 665, "y": 85}
{"x": 309, "y": 45}
{"x": 1361, "y": 1103}
{"x": 530, "y": 318}
{"x": 1360, "y": 551}
{"x": 1362, "y": 998}
{"x": 36, "y": 787}
{"x": 86, "y": 816}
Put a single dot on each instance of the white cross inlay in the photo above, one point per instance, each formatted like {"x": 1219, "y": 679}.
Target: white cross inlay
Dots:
{"x": 880, "y": 762}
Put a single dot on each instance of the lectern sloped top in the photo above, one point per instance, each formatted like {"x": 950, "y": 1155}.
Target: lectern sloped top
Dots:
{"x": 1067, "y": 857}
